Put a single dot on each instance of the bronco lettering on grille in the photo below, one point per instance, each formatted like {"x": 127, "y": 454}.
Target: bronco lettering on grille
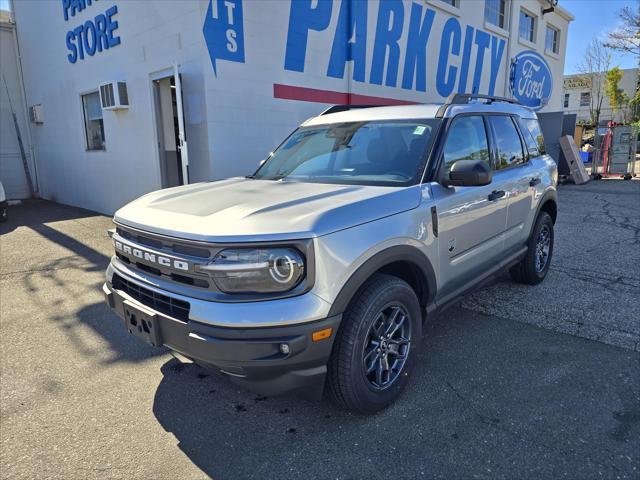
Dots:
{"x": 151, "y": 257}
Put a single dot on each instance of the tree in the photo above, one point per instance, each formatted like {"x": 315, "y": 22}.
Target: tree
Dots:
{"x": 595, "y": 66}
{"x": 618, "y": 99}
{"x": 626, "y": 38}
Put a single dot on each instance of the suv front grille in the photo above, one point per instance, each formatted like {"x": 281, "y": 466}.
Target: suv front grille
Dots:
{"x": 168, "y": 246}
{"x": 172, "y": 307}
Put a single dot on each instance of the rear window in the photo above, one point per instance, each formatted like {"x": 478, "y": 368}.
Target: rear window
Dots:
{"x": 532, "y": 136}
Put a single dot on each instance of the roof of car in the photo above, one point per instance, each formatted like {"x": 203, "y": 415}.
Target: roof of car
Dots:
{"x": 417, "y": 111}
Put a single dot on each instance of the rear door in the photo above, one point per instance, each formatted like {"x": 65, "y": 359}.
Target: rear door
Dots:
{"x": 471, "y": 220}
{"x": 515, "y": 173}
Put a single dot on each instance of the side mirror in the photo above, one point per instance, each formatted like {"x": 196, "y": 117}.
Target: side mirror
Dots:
{"x": 469, "y": 173}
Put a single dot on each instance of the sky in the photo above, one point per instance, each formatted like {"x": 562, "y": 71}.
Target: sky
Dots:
{"x": 594, "y": 18}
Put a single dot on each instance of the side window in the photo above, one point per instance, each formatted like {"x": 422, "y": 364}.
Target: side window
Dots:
{"x": 532, "y": 136}
{"x": 507, "y": 142}
{"x": 466, "y": 140}
{"x": 93, "y": 126}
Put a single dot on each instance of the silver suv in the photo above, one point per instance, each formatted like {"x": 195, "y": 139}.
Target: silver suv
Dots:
{"x": 316, "y": 273}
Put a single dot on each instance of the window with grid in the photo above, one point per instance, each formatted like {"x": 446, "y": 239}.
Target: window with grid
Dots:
{"x": 527, "y": 26}
{"x": 566, "y": 100}
{"x": 585, "y": 99}
{"x": 495, "y": 12}
{"x": 552, "y": 39}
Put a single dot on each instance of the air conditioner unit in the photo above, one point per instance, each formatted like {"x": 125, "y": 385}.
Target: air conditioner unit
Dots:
{"x": 35, "y": 114}
{"x": 113, "y": 96}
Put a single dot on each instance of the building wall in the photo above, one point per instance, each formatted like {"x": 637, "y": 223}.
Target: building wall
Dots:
{"x": 12, "y": 172}
{"x": 244, "y": 91}
{"x": 576, "y": 85}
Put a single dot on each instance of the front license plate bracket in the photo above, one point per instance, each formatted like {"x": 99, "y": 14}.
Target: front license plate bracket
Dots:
{"x": 142, "y": 323}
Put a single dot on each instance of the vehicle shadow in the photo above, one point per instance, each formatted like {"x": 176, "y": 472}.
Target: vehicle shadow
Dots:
{"x": 487, "y": 395}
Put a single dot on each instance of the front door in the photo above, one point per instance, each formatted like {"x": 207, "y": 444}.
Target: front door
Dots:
{"x": 471, "y": 220}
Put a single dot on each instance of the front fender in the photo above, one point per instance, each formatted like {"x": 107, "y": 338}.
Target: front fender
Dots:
{"x": 398, "y": 253}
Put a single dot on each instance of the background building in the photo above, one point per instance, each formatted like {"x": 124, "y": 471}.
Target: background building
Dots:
{"x": 12, "y": 173}
{"x": 576, "y": 98}
{"x": 249, "y": 72}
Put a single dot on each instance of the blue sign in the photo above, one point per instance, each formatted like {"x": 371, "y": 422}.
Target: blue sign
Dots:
{"x": 531, "y": 81}
{"x": 223, "y": 31}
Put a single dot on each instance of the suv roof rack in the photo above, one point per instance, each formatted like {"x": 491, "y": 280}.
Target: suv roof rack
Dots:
{"x": 464, "y": 98}
{"x": 344, "y": 108}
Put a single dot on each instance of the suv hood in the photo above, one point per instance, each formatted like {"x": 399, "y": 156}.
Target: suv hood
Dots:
{"x": 240, "y": 210}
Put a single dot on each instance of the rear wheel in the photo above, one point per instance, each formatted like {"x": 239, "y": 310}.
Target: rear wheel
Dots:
{"x": 534, "y": 266}
{"x": 376, "y": 345}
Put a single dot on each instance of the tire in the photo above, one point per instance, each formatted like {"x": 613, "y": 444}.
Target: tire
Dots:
{"x": 528, "y": 270}
{"x": 347, "y": 381}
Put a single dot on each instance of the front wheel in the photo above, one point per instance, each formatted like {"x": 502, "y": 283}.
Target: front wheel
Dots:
{"x": 376, "y": 345}
{"x": 534, "y": 266}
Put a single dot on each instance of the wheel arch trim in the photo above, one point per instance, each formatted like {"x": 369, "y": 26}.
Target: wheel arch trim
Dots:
{"x": 549, "y": 196}
{"x": 398, "y": 253}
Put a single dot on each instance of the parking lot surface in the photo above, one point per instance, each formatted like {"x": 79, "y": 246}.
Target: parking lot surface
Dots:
{"x": 493, "y": 396}
{"x": 593, "y": 286}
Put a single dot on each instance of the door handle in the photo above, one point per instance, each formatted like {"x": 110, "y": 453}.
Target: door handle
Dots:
{"x": 534, "y": 181}
{"x": 496, "y": 194}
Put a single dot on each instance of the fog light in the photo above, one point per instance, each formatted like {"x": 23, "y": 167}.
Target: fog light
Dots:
{"x": 284, "y": 349}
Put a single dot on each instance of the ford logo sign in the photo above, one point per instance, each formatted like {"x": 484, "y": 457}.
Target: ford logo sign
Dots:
{"x": 531, "y": 81}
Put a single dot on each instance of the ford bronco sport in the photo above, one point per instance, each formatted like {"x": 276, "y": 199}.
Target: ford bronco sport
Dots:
{"x": 317, "y": 272}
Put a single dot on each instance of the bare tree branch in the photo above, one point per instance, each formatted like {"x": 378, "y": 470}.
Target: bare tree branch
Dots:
{"x": 595, "y": 65}
{"x": 626, "y": 38}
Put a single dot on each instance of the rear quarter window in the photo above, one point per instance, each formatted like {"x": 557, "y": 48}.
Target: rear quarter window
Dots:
{"x": 532, "y": 135}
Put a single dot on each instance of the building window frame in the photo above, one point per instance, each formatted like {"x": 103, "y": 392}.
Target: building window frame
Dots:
{"x": 92, "y": 142}
{"x": 502, "y": 12}
{"x": 585, "y": 99}
{"x": 529, "y": 34}
{"x": 555, "y": 41}
{"x": 449, "y": 6}
{"x": 565, "y": 101}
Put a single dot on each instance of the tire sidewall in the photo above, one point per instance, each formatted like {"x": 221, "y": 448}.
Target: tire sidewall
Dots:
{"x": 543, "y": 219}
{"x": 398, "y": 293}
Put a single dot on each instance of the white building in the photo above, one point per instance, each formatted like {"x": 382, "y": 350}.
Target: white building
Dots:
{"x": 577, "y": 95}
{"x": 250, "y": 72}
{"x": 12, "y": 172}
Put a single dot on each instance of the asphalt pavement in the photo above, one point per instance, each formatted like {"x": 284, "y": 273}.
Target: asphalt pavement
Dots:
{"x": 493, "y": 396}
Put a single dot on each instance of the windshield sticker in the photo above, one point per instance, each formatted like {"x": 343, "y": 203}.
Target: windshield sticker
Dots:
{"x": 419, "y": 130}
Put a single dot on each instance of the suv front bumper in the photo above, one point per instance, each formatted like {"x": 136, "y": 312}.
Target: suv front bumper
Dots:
{"x": 251, "y": 357}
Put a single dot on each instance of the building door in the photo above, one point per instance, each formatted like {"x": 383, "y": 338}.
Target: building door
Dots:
{"x": 172, "y": 144}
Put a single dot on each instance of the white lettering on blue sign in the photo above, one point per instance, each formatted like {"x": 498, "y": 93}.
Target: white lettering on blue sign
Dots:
{"x": 92, "y": 36}
{"x": 530, "y": 80}
{"x": 223, "y": 31}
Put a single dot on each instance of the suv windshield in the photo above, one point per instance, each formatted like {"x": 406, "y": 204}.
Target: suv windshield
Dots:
{"x": 359, "y": 153}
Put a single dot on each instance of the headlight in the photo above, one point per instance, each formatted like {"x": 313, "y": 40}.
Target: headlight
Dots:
{"x": 259, "y": 270}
